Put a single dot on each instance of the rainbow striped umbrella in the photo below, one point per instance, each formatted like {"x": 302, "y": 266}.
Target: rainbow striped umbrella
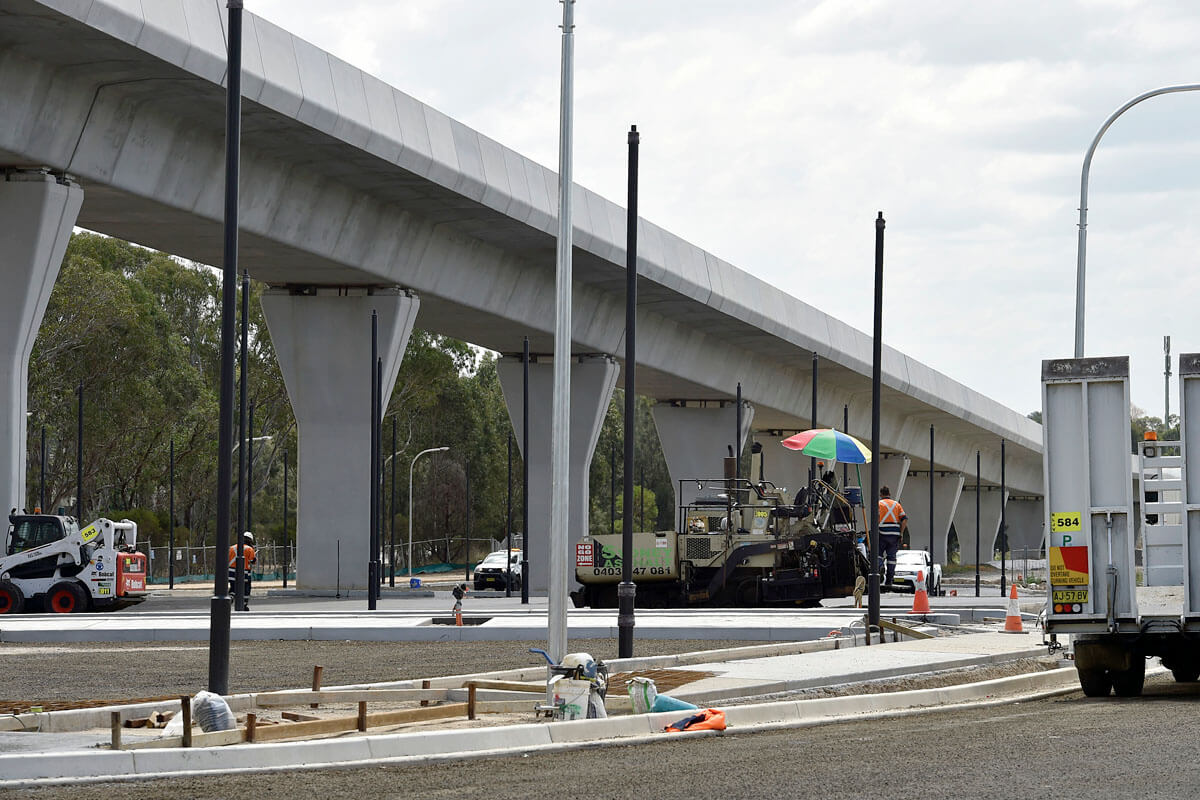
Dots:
{"x": 829, "y": 444}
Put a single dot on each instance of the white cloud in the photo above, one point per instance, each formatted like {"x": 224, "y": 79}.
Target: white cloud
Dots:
{"x": 773, "y": 132}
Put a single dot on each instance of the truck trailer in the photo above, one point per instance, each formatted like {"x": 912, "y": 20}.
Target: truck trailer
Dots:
{"x": 1116, "y": 612}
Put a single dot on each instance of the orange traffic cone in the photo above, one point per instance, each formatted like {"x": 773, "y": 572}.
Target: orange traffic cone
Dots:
{"x": 1012, "y": 621}
{"x": 920, "y": 596}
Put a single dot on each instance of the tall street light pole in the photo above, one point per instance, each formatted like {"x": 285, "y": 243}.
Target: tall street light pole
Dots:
{"x": 627, "y": 589}
{"x": 1081, "y": 254}
{"x": 218, "y": 651}
{"x": 560, "y": 425}
{"x": 410, "y": 499}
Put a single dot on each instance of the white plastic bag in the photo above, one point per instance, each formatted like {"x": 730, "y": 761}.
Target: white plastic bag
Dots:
{"x": 211, "y": 713}
{"x": 642, "y": 694}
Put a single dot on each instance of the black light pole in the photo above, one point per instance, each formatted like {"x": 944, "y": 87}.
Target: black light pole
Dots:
{"x": 845, "y": 465}
{"x": 525, "y": 475}
{"x": 876, "y": 368}
{"x": 1003, "y": 527}
{"x": 250, "y": 471}
{"x": 812, "y": 462}
{"x": 287, "y": 542}
{"x": 42, "y": 487}
{"x": 627, "y": 589}
{"x": 392, "y": 516}
{"x": 932, "y": 559}
{"x": 372, "y": 565}
{"x": 977, "y": 502}
{"x": 171, "y": 523}
{"x": 377, "y": 483}
{"x": 737, "y": 434}
{"x": 239, "y": 580}
{"x": 79, "y": 456}
{"x": 508, "y": 525}
{"x": 218, "y": 636}
{"x": 612, "y": 485}
{"x": 467, "y": 543}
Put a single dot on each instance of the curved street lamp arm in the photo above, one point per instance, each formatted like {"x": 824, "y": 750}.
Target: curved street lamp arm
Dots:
{"x": 1081, "y": 253}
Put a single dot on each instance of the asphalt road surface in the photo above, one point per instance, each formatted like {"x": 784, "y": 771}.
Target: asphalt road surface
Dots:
{"x": 1068, "y": 747}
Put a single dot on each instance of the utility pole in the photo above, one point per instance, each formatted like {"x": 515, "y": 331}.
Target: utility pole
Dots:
{"x": 1166, "y": 381}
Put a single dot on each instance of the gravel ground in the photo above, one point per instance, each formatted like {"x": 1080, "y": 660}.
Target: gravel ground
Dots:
{"x": 43, "y": 672}
{"x": 1092, "y": 747}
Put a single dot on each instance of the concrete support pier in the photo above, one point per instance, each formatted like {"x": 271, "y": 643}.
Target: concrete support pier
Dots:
{"x": 323, "y": 343}
{"x": 592, "y": 381}
{"x": 989, "y": 523}
{"x": 947, "y": 488}
{"x": 37, "y": 212}
{"x": 695, "y": 439}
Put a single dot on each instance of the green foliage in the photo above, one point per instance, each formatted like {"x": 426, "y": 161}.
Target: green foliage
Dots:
{"x": 1140, "y": 423}
{"x": 141, "y": 331}
{"x": 645, "y": 510}
{"x": 650, "y": 467}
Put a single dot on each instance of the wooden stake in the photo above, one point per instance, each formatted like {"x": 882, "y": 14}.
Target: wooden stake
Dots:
{"x": 316, "y": 683}
{"x": 251, "y": 723}
{"x": 362, "y": 716}
{"x": 470, "y": 701}
{"x": 186, "y": 702}
{"x": 424, "y": 685}
{"x": 115, "y": 720}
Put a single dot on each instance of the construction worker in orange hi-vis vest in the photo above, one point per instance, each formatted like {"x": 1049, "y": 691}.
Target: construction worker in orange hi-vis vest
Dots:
{"x": 249, "y": 557}
{"x": 893, "y": 523}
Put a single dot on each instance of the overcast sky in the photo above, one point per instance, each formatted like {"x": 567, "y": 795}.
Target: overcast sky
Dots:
{"x": 774, "y": 131}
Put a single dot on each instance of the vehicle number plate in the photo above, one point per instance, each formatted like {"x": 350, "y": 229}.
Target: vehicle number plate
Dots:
{"x": 1070, "y": 596}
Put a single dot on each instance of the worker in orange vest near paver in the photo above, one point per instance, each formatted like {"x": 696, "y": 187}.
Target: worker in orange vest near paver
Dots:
{"x": 893, "y": 523}
{"x": 249, "y": 557}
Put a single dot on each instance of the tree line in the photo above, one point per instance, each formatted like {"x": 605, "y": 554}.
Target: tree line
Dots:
{"x": 139, "y": 330}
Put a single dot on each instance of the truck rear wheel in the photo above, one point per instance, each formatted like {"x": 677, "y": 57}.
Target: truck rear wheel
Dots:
{"x": 12, "y": 600}
{"x": 1129, "y": 683}
{"x": 65, "y": 598}
{"x": 1095, "y": 682}
{"x": 1188, "y": 673}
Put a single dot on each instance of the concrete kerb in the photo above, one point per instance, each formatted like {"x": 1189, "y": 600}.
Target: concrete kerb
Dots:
{"x": 423, "y": 747}
{"x": 91, "y": 718}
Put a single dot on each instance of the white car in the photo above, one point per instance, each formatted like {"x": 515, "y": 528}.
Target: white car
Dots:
{"x": 492, "y": 573}
{"x": 908, "y": 563}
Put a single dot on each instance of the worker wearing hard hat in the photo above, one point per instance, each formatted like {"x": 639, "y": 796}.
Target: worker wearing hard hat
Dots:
{"x": 249, "y": 557}
{"x": 893, "y": 523}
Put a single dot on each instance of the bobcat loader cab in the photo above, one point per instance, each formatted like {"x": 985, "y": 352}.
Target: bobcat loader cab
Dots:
{"x": 48, "y": 561}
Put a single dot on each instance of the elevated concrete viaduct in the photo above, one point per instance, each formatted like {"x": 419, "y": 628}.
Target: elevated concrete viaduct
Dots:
{"x": 351, "y": 189}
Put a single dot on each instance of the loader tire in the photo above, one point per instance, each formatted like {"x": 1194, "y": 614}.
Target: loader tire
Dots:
{"x": 12, "y": 600}
{"x": 65, "y": 598}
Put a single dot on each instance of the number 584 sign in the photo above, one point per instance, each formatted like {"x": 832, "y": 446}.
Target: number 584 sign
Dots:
{"x": 1066, "y": 527}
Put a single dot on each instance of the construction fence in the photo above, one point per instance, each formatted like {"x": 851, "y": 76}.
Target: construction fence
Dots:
{"x": 196, "y": 564}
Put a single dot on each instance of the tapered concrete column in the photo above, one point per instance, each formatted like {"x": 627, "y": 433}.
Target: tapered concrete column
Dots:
{"x": 323, "y": 343}
{"x": 695, "y": 440}
{"x": 592, "y": 381}
{"x": 893, "y": 473}
{"x": 37, "y": 213}
{"x": 1026, "y": 527}
{"x": 947, "y": 487}
{"x": 989, "y": 523}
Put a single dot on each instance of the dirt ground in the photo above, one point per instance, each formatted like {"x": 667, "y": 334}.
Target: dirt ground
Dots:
{"x": 47, "y": 672}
